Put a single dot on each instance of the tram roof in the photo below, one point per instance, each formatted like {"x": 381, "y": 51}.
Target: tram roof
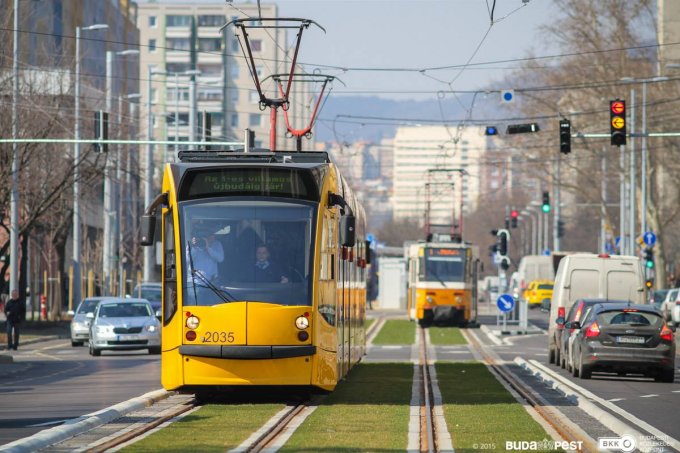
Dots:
{"x": 307, "y": 159}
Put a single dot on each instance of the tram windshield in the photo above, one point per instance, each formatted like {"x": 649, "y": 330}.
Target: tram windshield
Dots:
{"x": 259, "y": 251}
{"x": 442, "y": 265}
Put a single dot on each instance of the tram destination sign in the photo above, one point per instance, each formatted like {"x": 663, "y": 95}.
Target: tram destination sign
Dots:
{"x": 250, "y": 181}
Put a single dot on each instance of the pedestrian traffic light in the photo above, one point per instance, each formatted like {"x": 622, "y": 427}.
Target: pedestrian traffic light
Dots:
{"x": 560, "y": 229}
{"x": 649, "y": 258}
{"x": 546, "y": 202}
{"x": 617, "y": 122}
{"x": 565, "y": 136}
{"x": 514, "y": 216}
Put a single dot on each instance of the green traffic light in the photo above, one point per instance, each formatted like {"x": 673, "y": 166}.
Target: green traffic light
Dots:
{"x": 649, "y": 264}
{"x": 546, "y": 208}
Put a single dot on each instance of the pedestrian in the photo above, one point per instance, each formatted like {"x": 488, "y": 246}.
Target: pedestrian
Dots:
{"x": 15, "y": 311}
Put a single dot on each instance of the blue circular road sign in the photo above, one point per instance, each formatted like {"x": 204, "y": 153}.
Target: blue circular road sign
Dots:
{"x": 505, "y": 303}
{"x": 649, "y": 238}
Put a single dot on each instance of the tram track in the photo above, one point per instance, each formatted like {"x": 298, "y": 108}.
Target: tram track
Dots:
{"x": 563, "y": 427}
{"x": 428, "y": 434}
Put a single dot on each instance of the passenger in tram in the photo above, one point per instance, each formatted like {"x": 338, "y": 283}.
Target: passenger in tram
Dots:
{"x": 266, "y": 270}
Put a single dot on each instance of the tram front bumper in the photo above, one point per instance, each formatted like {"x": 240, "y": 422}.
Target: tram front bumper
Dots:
{"x": 445, "y": 314}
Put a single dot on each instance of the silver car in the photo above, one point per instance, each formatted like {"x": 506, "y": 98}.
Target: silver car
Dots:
{"x": 124, "y": 324}
{"x": 80, "y": 324}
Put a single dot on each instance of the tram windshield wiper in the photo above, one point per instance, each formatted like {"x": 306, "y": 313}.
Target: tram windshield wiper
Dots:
{"x": 221, "y": 293}
{"x": 434, "y": 272}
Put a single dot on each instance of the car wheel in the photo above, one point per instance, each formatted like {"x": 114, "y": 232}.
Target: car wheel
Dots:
{"x": 155, "y": 350}
{"x": 584, "y": 371}
{"x": 94, "y": 351}
{"x": 563, "y": 361}
{"x": 557, "y": 356}
{"x": 551, "y": 355}
{"x": 665, "y": 376}
{"x": 76, "y": 343}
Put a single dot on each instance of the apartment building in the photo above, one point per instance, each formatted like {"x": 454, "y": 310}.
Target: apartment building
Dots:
{"x": 183, "y": 43}
{"x": 434, "y": 166}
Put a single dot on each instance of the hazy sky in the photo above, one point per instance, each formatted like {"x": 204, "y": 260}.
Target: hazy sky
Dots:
{"x": 418, "y": 34}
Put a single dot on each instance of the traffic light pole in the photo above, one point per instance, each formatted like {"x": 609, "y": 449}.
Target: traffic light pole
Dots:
{"x": 632, "y": 195}
{"x": 556, "y": 215}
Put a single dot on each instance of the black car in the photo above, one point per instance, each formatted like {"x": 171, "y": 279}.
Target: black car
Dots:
{"x": 624, "y": 338}
{"x": 578, "y": 310}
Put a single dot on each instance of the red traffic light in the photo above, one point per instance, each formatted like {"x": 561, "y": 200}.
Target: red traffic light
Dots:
{"x": 514, "y": 214}
{"x": 618, "y": 107}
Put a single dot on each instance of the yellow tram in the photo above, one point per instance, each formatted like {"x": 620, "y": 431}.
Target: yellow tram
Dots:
{"x": 442, "y": 282}
{"x": 264, "y": 268}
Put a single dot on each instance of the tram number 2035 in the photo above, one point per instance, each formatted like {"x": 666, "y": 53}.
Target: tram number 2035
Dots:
{"x": 218, "y": 337}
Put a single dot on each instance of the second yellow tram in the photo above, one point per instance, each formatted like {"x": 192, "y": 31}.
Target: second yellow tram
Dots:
{"x": 442, "y": 283}
{"x": 264, "y": 268}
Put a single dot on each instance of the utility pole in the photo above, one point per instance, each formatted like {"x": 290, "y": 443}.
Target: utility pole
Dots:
{"x": 633, "y": 183}
{"x": 14, "y": 196}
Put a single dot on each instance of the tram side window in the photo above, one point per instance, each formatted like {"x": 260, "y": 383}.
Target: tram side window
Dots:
{"x": 170, "y": 274}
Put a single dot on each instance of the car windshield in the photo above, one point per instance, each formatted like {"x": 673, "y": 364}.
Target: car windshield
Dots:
{"x": 87, "y": 306}
{"x": 151, "y": 294}
{"x": 660, "y": 295}
{"x": 247, "y": 251}
{"x": 124, "y": 310}
{"x": 629, "y": 318}
{"x": 546, "y": 286}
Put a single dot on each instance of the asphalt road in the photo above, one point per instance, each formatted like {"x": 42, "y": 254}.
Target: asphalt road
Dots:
{"x": 51, "y": 381}
{"x": 656, "y": 403}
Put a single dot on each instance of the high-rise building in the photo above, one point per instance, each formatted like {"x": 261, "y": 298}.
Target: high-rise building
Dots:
{"x": 183, "y": 42}
{"x": 434, "y": 166}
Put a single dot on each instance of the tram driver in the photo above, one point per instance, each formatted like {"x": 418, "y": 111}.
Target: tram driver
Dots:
{"x": 265, "y": 269}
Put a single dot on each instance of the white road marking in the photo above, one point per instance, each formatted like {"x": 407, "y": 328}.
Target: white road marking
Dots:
{"x": 54, "y": 422}
{"x": 613, "y": 400}
{"x": 392, "y": 347}
{"x": 648, "y": 396}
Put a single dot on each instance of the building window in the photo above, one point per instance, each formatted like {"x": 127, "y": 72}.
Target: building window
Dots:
{"x": 259, "y": 70}
{"x": 210, "y": 94}
{"x": 177, "y": 21}
{"x": 256, "y": 45}
{"x": 233, "y": 94}
{"x": 234, "y": 120}
{"x": 177, "y": 67}
{"x": 183, "y": 119}
{"x": 210, "y": 44}
{"x": 178, "y": 43}
{"x": 210, "y": 70}
{"x": 216, "y": 119}
{"x": 152, "y": 21}
{"x": 211, "y": 21}
{"x": 253, "y": 97}
{"x": 152, "y": 45}
{"x": 254, "y": 120}
{"x": 173, "y": 92}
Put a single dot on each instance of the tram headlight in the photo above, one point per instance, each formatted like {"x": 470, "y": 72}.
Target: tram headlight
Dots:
{"x": 192, "y": 322}
{"x": 301, "y": 322}
{"x": 459, "y": 299}
{"x": 429, "y": 299}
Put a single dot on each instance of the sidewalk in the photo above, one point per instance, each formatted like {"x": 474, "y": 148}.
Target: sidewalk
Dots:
{"x": 32, "y": 332}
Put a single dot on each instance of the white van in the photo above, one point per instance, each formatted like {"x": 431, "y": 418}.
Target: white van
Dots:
{"x": 590, "y": 276}
{"x": 534, "y": 267}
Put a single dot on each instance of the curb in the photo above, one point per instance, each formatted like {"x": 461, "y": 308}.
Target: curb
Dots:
{"x": 85, "y": 423}
{"x": 35, "y": 340}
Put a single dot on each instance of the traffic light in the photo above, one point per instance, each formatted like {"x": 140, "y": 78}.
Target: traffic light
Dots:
{"x": 649, "y": 283}
{"x": 546, "y": 202}
{"x": 617, "y": 122}
{"x": 503, "y": 236}
{"x": 514, "y": 215}
{"x": 649, "y": 258}
{"x": 491, "y": 130}
{"x": 522, "y": 128}
{"x": 565, "y": 136}
{"x": 101, "y": 130}
{"x": 560, "y": 229}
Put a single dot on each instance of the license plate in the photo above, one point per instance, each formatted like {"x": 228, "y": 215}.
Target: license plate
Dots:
{"x": 127, "y": 338}
{"x": 633, "y": 340}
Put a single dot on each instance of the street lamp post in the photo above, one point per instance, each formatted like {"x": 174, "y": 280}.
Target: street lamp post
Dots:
{"x": 148, "y": 171}
{"x": 110, "y": 210}
{"x": 534, "y": 230}
{"x": 76, "y": 170}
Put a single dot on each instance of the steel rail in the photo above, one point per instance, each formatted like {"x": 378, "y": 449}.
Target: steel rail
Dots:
{"x": 134, "y": 433}
{"x": 269, "y": 437}
{"x": 428, "y": 436}
{"x": 525, "y": 392}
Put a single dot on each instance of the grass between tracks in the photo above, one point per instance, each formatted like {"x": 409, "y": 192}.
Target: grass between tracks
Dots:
{"x": 396, "y": 331}
{"x": 480, "y": 413}
{"x": 446, "y": 336}
{"x": 212, "y": 428}
{"x": 368, "y": 323}
{"x": 369, "y": 411}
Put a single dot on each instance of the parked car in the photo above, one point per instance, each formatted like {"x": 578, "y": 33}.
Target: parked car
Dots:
{"x": 124, "y": 324}
{"x": 150, "y": 291}
{"x": 80, "y": 324}
{"x": 590, "y": 276}
{"x": 669, "y": 302}
{"x": 578, "y": 312}
{"x": 675, "y": 314}
{"x": 658, "y": 297}
{"x": 537, "y": 292}
{"x": 624, "y": 338}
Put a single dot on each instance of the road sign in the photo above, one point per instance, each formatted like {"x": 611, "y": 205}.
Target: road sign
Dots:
{"x": 546, "y": 252}
{"x": 505, "y": 303}
{"x": 617, "y": 241}
{"x": 650, "y": 238}
{"x": 507, "y": 96}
